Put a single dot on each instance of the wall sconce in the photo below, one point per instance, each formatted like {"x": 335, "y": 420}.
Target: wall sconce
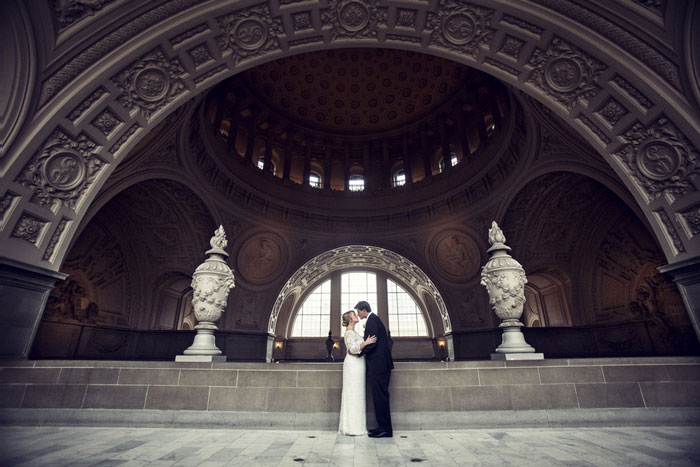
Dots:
{"x": 336, "y": 345}
{"x": 279, "y": 344}
{"x": 441, "y": 342}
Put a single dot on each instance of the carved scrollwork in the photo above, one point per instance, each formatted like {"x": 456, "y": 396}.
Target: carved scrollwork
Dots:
{"x": 464, "y": 28}
{"x": 353, "y": 18}
{"x": 565, "y": 73}
{"x": 660, "y": 159}
{"x": 249, "y": 33}
{"x": 62, "y": 170}
{"x": 150, "y": 84}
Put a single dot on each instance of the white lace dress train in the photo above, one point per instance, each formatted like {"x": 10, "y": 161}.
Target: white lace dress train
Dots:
{"x": 353, "y": 412}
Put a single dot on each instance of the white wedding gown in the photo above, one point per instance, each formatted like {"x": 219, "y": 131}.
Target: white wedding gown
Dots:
{"x": 353, "y": 413}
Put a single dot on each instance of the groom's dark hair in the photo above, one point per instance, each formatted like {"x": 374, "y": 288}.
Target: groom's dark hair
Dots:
{"x": 363, "y": 306}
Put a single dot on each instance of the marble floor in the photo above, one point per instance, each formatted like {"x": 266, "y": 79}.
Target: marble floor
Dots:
{"x": 88, "y": 446}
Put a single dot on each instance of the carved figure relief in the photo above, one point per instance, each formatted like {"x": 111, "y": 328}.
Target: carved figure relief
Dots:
{"x": 262, "y": 258}
{"x": 456, "y": 254}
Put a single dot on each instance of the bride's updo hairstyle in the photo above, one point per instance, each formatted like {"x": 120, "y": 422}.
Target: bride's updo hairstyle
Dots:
{"x": 346, "y": 317}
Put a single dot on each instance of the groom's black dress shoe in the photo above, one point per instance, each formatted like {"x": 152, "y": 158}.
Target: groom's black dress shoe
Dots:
{"x": 374, "y": 430}
{"x": 380, "y": 434}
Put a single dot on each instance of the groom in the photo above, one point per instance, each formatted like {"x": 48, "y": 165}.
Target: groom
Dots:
{"x": 379, "y": 365}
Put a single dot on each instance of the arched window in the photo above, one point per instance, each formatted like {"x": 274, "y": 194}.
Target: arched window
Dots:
{"x": 313, "y": 319}
{"x": 453, "y": 161}
{"x": 399, "y": 178}
{"x": 315, "y": 180}
{"x": 405, "y": 318}
{"x": 356, "y": 183}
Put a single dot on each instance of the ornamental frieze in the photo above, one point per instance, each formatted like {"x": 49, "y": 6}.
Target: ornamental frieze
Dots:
{"x": 659, "y": 159}
{"x": 71, "y": 11}
{"x": 150, "y": 84}
{"x": 248, "y": 34}
{"x": 62, "y": 170}
{"x": 463, "y": 28}
{"x": 565, "y": 73}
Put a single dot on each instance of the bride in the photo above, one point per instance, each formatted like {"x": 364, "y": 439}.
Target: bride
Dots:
{"x": 353, "y": 415}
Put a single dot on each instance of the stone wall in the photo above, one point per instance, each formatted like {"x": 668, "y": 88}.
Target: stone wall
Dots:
{"x": 144, "y": 392}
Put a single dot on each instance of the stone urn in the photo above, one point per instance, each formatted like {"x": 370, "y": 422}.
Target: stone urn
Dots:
{"x": 504, "y": 279}
{"x": 211, "y": 283}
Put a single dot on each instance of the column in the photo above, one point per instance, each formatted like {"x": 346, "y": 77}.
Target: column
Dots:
{"x": 347, "y": 166}
{"x": 307, "y": 160}
{"x": 327, "y": 166}
{"x": 462, "y": 132}
{"x": 366, "y": 170}
{"x": 250, "y": 144}
{"x": 382, "y": 299}
{"x": 288, "y": 154}
{"x": 267, "y": 166}
{"x": 444, "y": 140}
{"x": 427, "y": 156}
{"x": 24, "y": 291}
{"x": 686, "y": 275}
{"x": 386, "y": 165}
{"x": 407, "y": 160}
{"x": 336, "y": 312}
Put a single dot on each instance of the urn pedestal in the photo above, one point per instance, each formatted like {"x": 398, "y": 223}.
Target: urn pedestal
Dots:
{"x": 211, "y": 283}
{"x": 504, "y": 279}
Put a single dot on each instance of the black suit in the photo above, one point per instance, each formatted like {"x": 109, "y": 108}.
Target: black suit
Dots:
{"x": 379, "y": 365}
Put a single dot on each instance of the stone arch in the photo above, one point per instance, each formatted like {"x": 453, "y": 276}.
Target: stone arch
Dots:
{"x": 366, "y": 257}
{"x": 619, "y": 93}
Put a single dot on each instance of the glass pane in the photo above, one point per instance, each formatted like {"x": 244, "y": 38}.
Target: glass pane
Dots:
{"x": 354, "y": 287}
{"x": 313, "y": 318}
{"x": 405, "y": 317}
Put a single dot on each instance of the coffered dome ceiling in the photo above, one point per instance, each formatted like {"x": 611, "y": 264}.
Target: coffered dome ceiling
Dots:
{"x": 357, "y": 90}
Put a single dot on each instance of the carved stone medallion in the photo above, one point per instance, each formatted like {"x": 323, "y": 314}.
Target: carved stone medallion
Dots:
{"x": 64, "y": 170}
{"x": 658, "y": 160}
{"x": 459, "y": 28}
{"x": 151, "y": 84}
{"x": 456, "y": 255}
{"x": 250, "y": 33}
{"x": 262, "y": 258}
{"x": 563, "y": 74}
{"x": 353, "y": 16}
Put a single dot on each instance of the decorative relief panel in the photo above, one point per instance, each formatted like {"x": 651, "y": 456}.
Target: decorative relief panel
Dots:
{"x": 565, "y": 73}
{"x": 70, "y": 11}
{"x": 632, "y": 92}
{"x": 106, "y": 122}
{"x": 180, "y": 38}
{"x": 353, "y": 18}
{"x": 29, "y": 228}
{"x": 124, "y": 138}
{"x": 659, "y": 159}
{"x": 690, "y": 218}
{"x": 406, "y": 18}
{"x": 594, "y": 129}
{"x": 302, "y": 21}
{"x": 666, "y": 221}
{"x": 262, "y": 258}
{"x": 5, "y": 203}
{"x": 612, "y": 111}
{"x": 249, "y": 33}
{"x": 617, "y": 35}
{"x": 54, "y": 239}
{"x": 150, "y": 84}
{"x": 200, "y": 55}
{"x": 99, "y": 49}
{"x": 462, "y": 28}
{"x": 62, "y": 170}
{"x": 86, "y": 104}
{"x": 512, "y": 46}
{"x": 457, "y": 256}
{"x": 521, "y": 24}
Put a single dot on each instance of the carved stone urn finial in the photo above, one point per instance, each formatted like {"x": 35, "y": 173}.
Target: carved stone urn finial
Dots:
{"x": 504, "y": 279}
{"x": 211, "y": 283}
